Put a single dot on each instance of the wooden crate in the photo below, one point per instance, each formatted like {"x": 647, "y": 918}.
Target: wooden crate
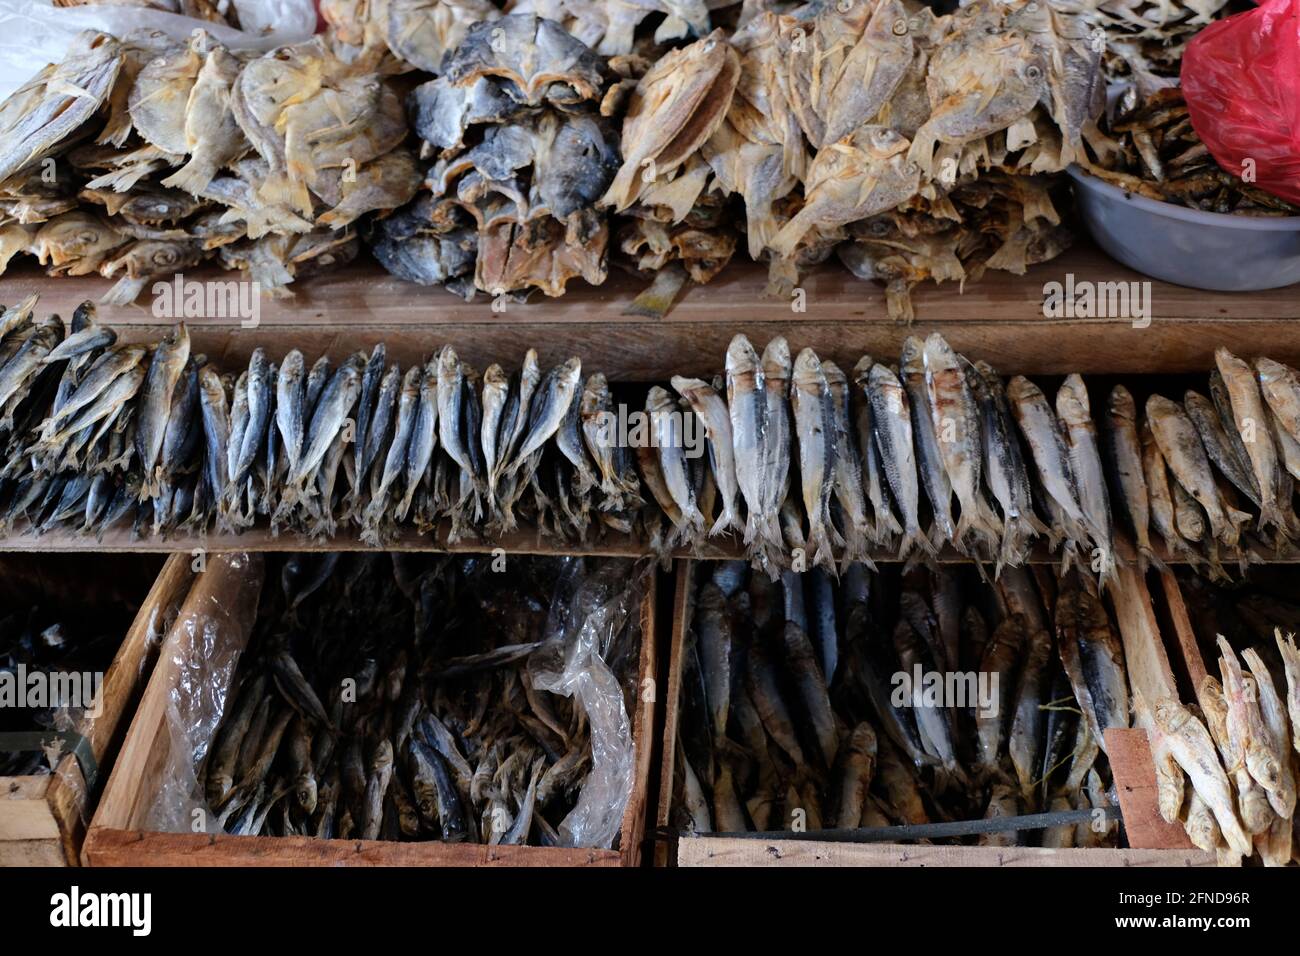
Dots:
{"x": 43, "y": 818}
{"x": 116, "y": 837}
{"x": 1135, "y": 780}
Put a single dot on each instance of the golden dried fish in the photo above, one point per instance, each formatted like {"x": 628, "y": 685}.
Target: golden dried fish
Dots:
{"x": 212, "y": 137}
{"x": 674, "y": 110}
{"x": 54, "y": 105}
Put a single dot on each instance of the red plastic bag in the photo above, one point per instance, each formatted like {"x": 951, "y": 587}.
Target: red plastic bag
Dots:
{"x": 1241, "y": 79}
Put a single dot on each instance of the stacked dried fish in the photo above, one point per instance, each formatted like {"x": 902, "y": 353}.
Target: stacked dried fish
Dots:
{"x": 414, "y": 700}
{"x": 674, "y": 225}
{"x": 521, "y": 154}
{"x": 1157, "y": 154}
{"x": 98, "y": 434}
{"x": 1227, "y": 765}
{"x": 848, "y": 112}
{"x": 813, "y": 705}
{"x": 170, "y": 155}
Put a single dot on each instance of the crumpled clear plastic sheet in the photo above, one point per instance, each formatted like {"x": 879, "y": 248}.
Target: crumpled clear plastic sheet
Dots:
{"x": 35, "y": 32}
{"x": 201, "y": 652}
{"x": 589, "y": 611}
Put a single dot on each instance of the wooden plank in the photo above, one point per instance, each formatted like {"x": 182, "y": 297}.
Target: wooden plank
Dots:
{"x": 1189, "y": 648}
{"x": 24, "y": 811}
{"x": 32, "y": 853}
{"x": 730, "y": 851}
{"x": 522, "y": 542}
{"x": 683, "y": 594}
{"x": 632, "y": 833}
{"x": 1149, "y": 674}
{"x": 117, "y": 837}
{"x": 1129, "y": 753}
{"x": 1000, "y": 318}
{"x": 106, "y": 846}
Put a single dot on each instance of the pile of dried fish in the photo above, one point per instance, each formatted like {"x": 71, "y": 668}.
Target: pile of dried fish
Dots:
{"x": 814, "y": 705}
{"x": 142, "y": 158}
{"x": 97, "y": 434}
{"x": 557, "y": 130}
{"x": 521, "y": 154}
{"x": 1237, "y": 743}
{"x": 414, "y": 700}
{"x": 1159, "y": 155}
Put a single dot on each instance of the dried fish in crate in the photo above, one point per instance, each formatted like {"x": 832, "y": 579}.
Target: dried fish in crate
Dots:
{"x": 448, "y": 720}
{"x": 791, "y": 715}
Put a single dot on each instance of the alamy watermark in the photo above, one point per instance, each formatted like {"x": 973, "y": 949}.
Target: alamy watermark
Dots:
{"x": 633, "y": 428}
{"x": 961, "y": 689}
{"x": 78, "y": 690}
{"x": 1082, "y": 299}
{"x": 183, "y": 298}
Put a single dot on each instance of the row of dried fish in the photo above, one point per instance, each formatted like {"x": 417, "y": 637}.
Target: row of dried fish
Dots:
{"x": 1157, "y": 154}
{"x": 96, "y": 434}
{"x": 409, "y": 698}
{"x": 809, "y": 704}
{"x": 824, "y": 466}
{"x": 143, "y": 157}
{"x": 1227, "y": 765}
{"x": 1214, "y": 476}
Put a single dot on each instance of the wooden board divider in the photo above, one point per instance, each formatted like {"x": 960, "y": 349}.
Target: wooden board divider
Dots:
{"x": 999, "y": 318}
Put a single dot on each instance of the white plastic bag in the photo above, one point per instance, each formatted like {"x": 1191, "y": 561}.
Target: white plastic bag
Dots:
{"x": 34, "y": 32}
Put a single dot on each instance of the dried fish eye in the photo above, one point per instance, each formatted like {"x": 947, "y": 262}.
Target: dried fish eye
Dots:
{"x": 879, "y": 228}
{"x": 900, "y": 27}
{"x": 1032, "y": 72}
{"x": 844, "y": 6}
{"x": 992, "y": 30}
{"x": 912, "y": 168}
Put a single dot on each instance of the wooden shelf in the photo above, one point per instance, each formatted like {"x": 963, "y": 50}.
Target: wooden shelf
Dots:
{"x": 999, "y": 318}
{"x": 524, "y": 541}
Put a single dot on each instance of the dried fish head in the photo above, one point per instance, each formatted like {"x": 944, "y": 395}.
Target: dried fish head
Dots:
{"x": 535, "y": 59}
{"x": 75, "y": 242}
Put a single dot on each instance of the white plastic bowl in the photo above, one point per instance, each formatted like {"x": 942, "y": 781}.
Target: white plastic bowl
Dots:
{"x": 1202, "y": 250}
